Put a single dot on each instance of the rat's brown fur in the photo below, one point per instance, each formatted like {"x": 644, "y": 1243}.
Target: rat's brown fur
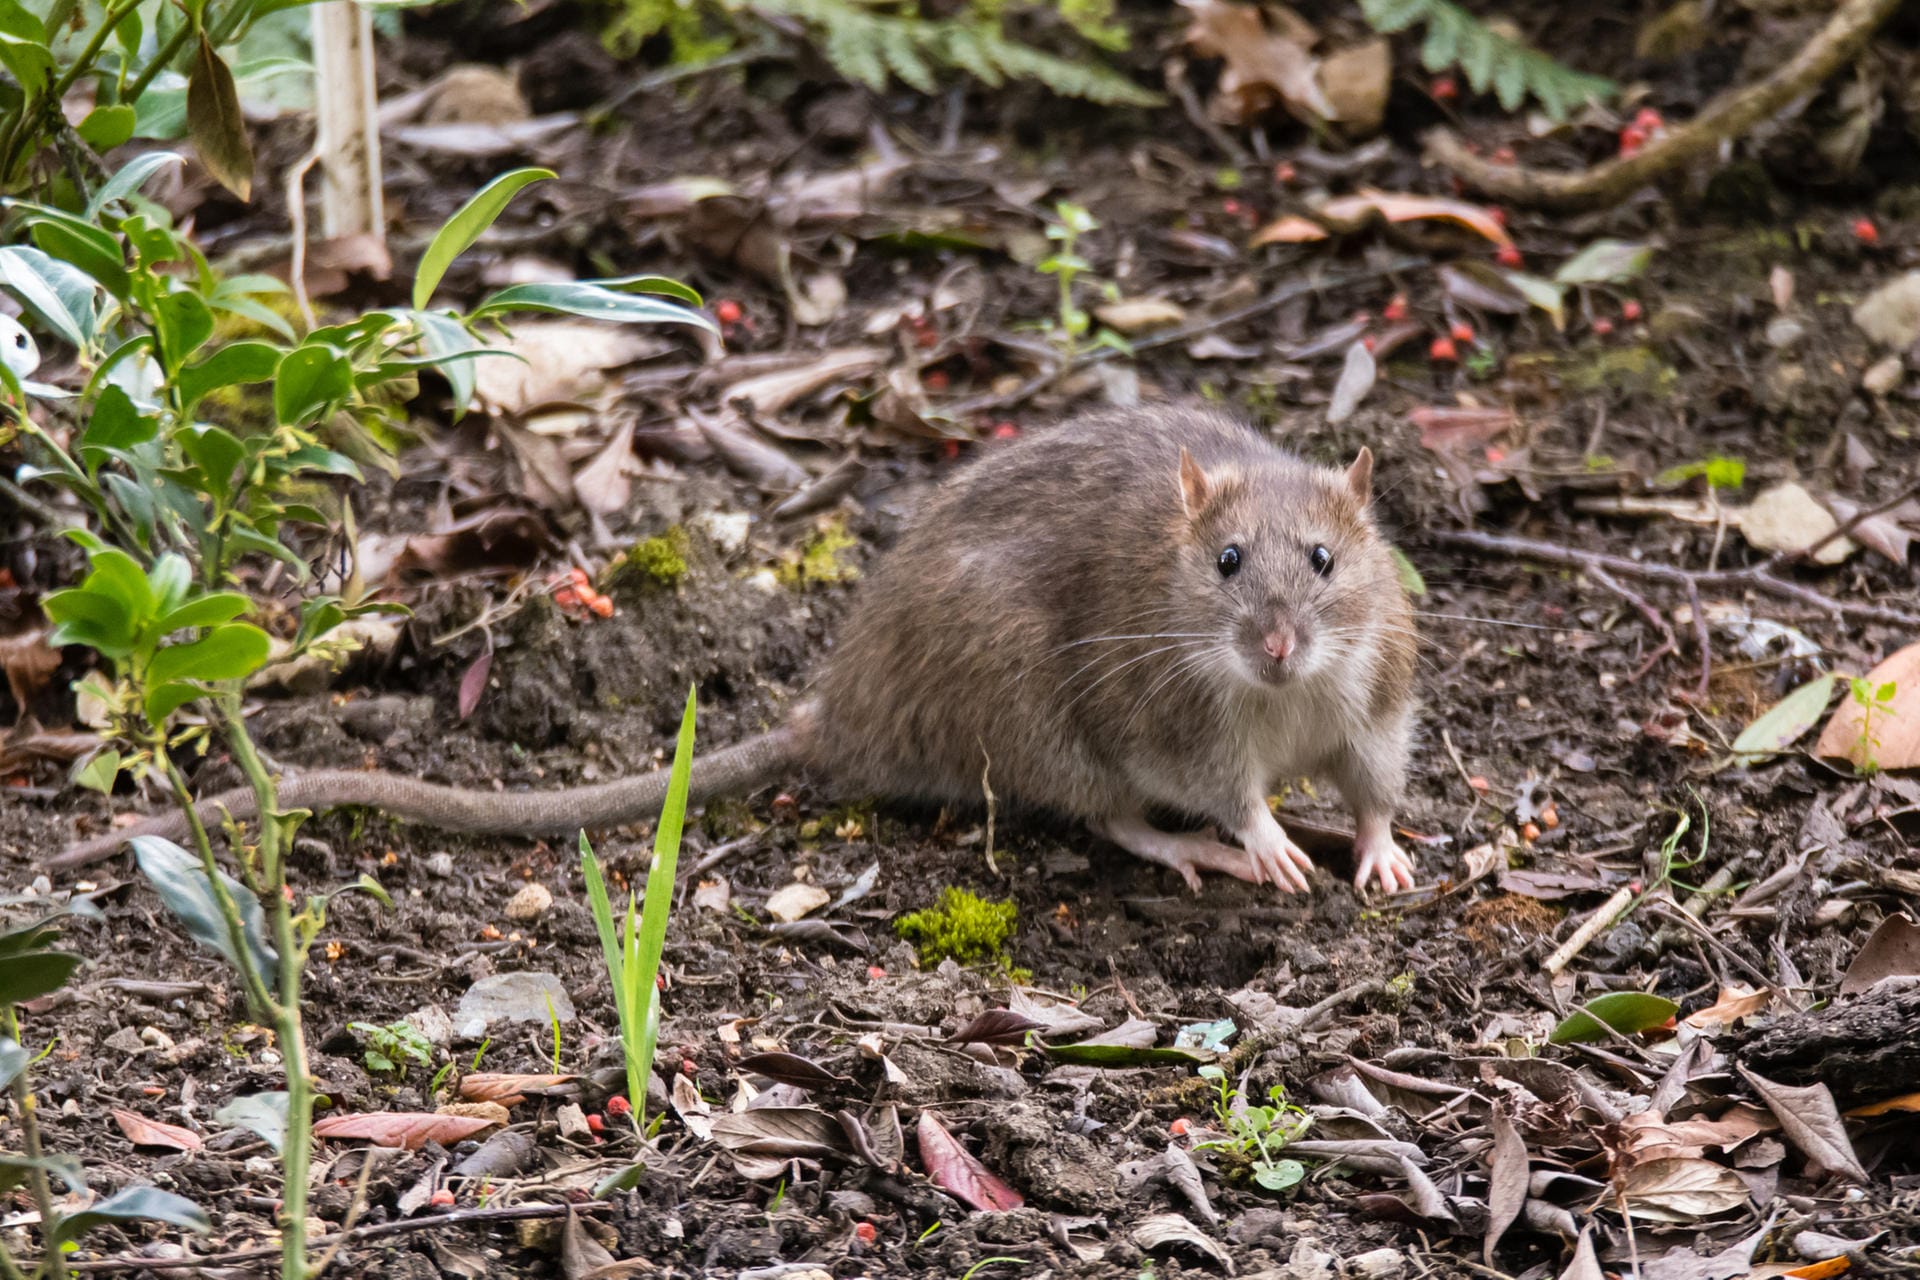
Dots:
{"x": 1055, "y": 621}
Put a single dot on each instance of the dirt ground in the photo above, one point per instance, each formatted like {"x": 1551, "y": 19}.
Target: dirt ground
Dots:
{"x": 1531, "y": 704}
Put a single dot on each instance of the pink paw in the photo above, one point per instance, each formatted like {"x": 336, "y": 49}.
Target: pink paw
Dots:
{"x": 1377, "y": 857}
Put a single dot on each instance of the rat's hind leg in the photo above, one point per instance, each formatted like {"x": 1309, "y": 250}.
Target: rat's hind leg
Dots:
{"x": 1187, "y": 853}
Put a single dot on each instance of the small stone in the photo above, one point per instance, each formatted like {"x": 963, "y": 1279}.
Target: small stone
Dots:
{"x": 1883, "y": 375}
{"x": 440, "y": 866}
{"x": 1890, "y": 315}
{"x": 530, "y": 903}
{"x": 727, "y": 530}
{"x": 796, "y": 900}
{"x": 512, "y": 997}
{"x": 1784, "y": 331}
{"x": 573, "y": 1123}
{"x": 126, "y": 1041}
{"x": 764, "y": 580}
{"x": 1378, "y": 1264}
{"x": 432, "y": 1022}
{"x": 1309, "y": 1262}
{"x": 41, "y": 886}
{"x": 261, "y": 1166}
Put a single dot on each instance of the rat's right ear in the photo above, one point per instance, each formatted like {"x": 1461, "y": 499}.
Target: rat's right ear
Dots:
{"x": 1360, "y": 476}
{"x": 1194, "y": 488}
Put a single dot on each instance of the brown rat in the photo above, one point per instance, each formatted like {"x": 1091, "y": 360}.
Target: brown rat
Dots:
{"x": 1151, "y": 610}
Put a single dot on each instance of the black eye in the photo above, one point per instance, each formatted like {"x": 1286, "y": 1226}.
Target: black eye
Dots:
{"x": 1229, "y": 562}
{"x": 20, "y": 341}
{"x": 1322, "y": 561}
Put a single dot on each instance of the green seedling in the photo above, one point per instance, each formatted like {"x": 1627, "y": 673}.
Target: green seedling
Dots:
{"x": 1071, "y": 326}
{"x": 392, "y": 1048}
{"x": 1873, "y": 700}
{"x": 1258, "y": 1133}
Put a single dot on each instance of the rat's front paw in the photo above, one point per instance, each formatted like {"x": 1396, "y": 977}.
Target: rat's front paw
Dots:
{"x": 1377, "y": 857}
{"x": 1277, "y": 859}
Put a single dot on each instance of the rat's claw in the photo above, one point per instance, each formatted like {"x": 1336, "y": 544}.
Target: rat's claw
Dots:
{"x": 1276, "y": 858}
{"x": 1378, "y": 857}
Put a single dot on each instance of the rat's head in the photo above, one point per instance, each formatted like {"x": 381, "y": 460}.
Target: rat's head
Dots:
{"x": 1284, "y": 561}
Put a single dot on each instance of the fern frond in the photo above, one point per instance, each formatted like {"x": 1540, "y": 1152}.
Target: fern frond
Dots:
{"x": 1492, "y": 62}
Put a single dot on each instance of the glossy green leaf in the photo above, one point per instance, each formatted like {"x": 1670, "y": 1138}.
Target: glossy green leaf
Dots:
{"x": 32, "y": 974}
{"x": 204, "y": 611}
{"x": 466, "y": 226}
{"x": 23, "y": 47}
{"x": 132, "y": 176}
{"x": 217, "y": 453}
{"x": 1626, "y": 1012}
{"x": 46, "y": 286}
{"x": 448, "y": 342}
{"x": 214, "y": 121}
{"x": 310, "y": 377}
{"x": 1278, "y": 1175}
{"x": 183, "y": 323}
{"x": 1605, "y": 262}
{"x": 576, "y": 298}
{"x": 107, "y": 127}
{"x": 1784, "y": 723}
{"x": 115, "y": 425}
{"x": 83, "y": 246}
{"x": 168, "y": 580}
{"x": 95, "y": 619}
{"x": 163, "y": 700}
{"x": 14, "y": 1059}
{"x": 180, "y": 881}
{"x": 262, "y": 1113}
{"x": 652, "y": 284}
{"x": 1123, "y": 1055}
{"x": 231, "y": 651}
{"x": 15, "y": 1170}
{"x": 134, "y": 1204}
{"x": 234, "y": 365}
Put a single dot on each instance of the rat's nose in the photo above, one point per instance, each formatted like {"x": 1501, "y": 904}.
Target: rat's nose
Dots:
{"x": 1280, "y": 642}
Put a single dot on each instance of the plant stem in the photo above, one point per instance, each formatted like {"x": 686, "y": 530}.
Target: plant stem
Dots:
{"x": 84, "y": 63}
{"x": 174, "y": 45}
{"x": 253, "y": 981}
{"x": 23, "y": 1100}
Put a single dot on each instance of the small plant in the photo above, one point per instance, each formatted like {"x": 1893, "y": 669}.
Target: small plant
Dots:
{"x": 1718, "y": 472}
{"x": 632, "y": 954}
{"x": 1872, "y": 699}
{"x": 1070, "y": 326}
{"x": 965, "y": 927}
{"x": 1258, "y": 1133}
{"x": 1491, "y": 60}
{"x": 390, "y": 1049}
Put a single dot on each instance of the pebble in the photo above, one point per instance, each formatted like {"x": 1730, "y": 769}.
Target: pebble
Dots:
{"x": 1309, "y": 1262}
{"x": 572, "y": 1122}
{"x": 440, "y": 866}
{"x": 727, "y": 529}
{"x": 1890, "y": 315}
{"x": 1378, "y": 1264}
{"x": 530, "y": 903}
{"x": 512, "y": 997}
{"x": 1883, "y": 376}
{"x": 1784, "y": 331}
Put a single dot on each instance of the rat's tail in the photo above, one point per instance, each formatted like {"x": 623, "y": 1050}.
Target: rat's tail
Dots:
{"x": 730, "y": 771}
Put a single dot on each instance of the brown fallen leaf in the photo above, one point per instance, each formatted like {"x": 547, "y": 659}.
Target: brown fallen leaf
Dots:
{"x": 142, "y": 1132}
{"x": 1734, "y": 1004}
{"x": 1889, "y": 534}
{"x": 1894, "y": 738}
{"x": 1263, "y": 66}
{"x": 782, "y": 1132}
{"x": 1811, "y": 1122}
{"x": 474, "y": 94}
{"x": 1788, "y": 518}
{"x": 1909, "y": 1102}
{"x": 954, "y": 1170}
{"x": 1448, "y": 427}
{"x": 29, "y": 663}
{"x": 1350, "y": 213}
{"x": 1680, "y": 1190}
{"x": 557, "y": 360}
{"x": 1507, "y": 1177}
{"x": 508, "y": 1088}
{"x": 497, "y": 539}
{"x": 1892, "y": 950}
{"x": 409, "y": 1129}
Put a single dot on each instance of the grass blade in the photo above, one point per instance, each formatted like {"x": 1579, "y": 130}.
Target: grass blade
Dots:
{"x": 652, "y": 937}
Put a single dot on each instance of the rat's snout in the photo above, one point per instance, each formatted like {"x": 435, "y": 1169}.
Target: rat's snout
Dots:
{"x": 1280, "y": 641}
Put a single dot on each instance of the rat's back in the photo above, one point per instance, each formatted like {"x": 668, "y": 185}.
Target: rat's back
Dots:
{"x": 974, "y": 653}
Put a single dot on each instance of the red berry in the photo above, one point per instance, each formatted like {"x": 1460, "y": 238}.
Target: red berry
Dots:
{"x": 619, "y": 1106}
{"x": 1633, "y": 886}
{"x": 1005, "y": 431}
{"x": 1369, "y": 343}
{"x": 1444, "y": 89}
{"x": 1462, "y": 331}
{"x": 1632, "y": 138}
{"x": 1648, "y": 121}
{"x": 949, "y": 449}
{"x": 1630, "y": 309}
{"x": 1865, "y": 232}
{"x": 1396, "y": 310}
{"x": 441, "y": 1199}
{"x": 727, "y": 311}
{"x": 595, "y": 1123}
{"x": 1231, "y": 207}
{"x": 1495, "y": 454}
{"x": 1497, "y": 215}
{"x": 1509, "y": 256}
{"x": 925, "y": 336}
{"x": 1443, "y": 350}
{"x": 1603, "y": 326}
{"x": 1504, "y": 155}
{"x": 1363, "y": 317}
{"x": 1179, "y": 1127}
{"x": 875, "y": 973}
{"x": 935, "y": 380}
{"x": 1284, "y": 171}
{"x": 867, "y": 1232}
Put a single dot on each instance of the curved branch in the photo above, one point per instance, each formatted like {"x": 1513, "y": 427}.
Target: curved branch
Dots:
{"x": 1730, "y": 115}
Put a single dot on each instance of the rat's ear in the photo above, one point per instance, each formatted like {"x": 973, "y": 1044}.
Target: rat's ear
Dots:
{"x": 1195, "y": 489}
{"x": 1360, "y": 476}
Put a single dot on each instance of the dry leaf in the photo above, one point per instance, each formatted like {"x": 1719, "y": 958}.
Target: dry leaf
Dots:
{"x": 1507, "y": 1179}
{"x": 565, "y": 360}
{"x": 1356, "y": 81}
{"x": 1443, "y": 427}
{"x": 581, "y": 1255}
{"x": 1885, "y": 534}
{"x": 1129, "y": 316}
{"x": 954, "y": 1170}
{"x": 1895, "y": 723}
{"x": 605, "y": 484}
{"x": 1734, "y": 1004}
{"x": 508, "y": 1088}
{"x": 713, "y": 895}
{"x": 1787, "y": 518}
{"x": 1170, "y": 1228}
{"x": 770, "y": 393}
{"x": 29, "y": 663}
{"x": 1357, "y": 376}
{"x": 142, "y": 1132}
{"x": 1584, "y": 1265}
{"x": 793, "y": 901}
{"x": 1292, "y": 229}
{"x": 1352, "y": 212}
{"x": 1262, "y": 66}
{"x": 1680, "y": 1190}
{"x": 1892, "y": 950}
{"x": 409, "y": 1129}
{"x": 781, "y": 1132}
{"x": 1908, "y": 1102}
{"x": 1812, "y": 1123}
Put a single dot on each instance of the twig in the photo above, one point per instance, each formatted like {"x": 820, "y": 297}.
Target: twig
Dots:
{"x": 1465, "y": 777}
{"x": 1728, "y": 116}
{"x": 1703, "y": 638}
{"x": 297, "y": 218}
{"x": 1841, "y": 530}
{"x": 1596, "y": 924}
{"x": 1176, "y": 78}
{"x": 1668, "y": 642}
{"x": 1754, "y": 577}
{"x": 370, "y": 1231}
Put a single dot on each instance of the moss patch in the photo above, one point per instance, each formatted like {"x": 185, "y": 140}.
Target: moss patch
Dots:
{"x": 822, "y": 560}
{"x": 964, "y": 927}
{"x": 661, "y": 560}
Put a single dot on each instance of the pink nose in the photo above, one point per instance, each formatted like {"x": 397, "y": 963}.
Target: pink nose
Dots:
{"x": 1279, "y": 642}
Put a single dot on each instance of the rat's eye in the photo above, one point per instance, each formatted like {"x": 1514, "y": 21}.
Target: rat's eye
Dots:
{"x": 1229, "y": 562}
{"x": 1322, "y": 561}
{"x": 20, "y": 341}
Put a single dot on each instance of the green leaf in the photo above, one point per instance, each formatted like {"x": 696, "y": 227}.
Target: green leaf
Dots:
{"x": 182, "y": 884}
{"x": 169, "y": 580}
{"x": 82, "y": 245}
{"x": 14, "y": 1059}
{"x": 310, "y": 377}
{"x": 98, "y": 774}
{"x": 218, "y": 129}
{"x": 163, "y": 700}
{"x": 652, "y": 284}
{"x": 14, "y": 1170}
{"x": 1626, "y": 1012}
{"x": 95, "y": 619}
{"x": 231, "y": 651}
{"x": 107, "y": 127}
{"x": 1279, "y": 1174}
{"x": 204, "y": 611}
{"x": 134, "y": 1204}
{"x": 1783, "y": 724}
{"x": 133, "y": 175}
{"x": 233, "y": 365}
{"x": 261, "y": 1113}
{"x": 32, "y": 974}
{"x": 183, "y": 324}
{"x": 577, "y": 298}
{"x": 448, "y": 341}
{"x": 1122, "y": 1055}
{"x": 1410, "y": 580}
{"x": 217, "y": 454}
{"x": 23, "y": 47}
{"x": 1542, "y": 293}
{"x": 48, "y": 288}
{"x": 115, "y": 425}
{"x": 645, "y": 948}
{"x": 1605, "y": 262}
{"x": 466, "y": 226}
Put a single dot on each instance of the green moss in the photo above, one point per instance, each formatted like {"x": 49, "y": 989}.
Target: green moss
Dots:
{"x": 822, "y": 560}
{"x": 964, "y": 927}
{"x": 661, "y": 560}
{"x": 1635, "y": 369}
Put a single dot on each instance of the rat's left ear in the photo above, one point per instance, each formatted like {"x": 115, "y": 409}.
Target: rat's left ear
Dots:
{"x": 1360, "y": 476}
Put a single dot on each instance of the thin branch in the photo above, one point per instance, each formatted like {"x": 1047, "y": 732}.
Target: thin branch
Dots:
{"x": 1845, "y": 527}
{"x": 1728, "y": 116}
{"x": 1669, "y": 643}
{"x": 1754, "y": 578}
